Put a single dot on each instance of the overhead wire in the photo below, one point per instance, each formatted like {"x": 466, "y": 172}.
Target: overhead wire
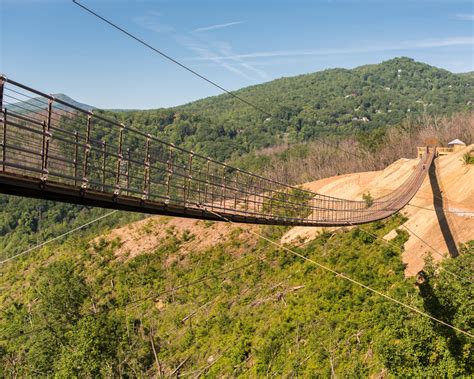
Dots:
{"x": 400, "y": 249}
{"x": 58, "y": 237}
{"x": 194, "y": 72}
{"x": 458, "y": 213}
{"x": 348, "y": 278}
{"x": 423, "y": 240}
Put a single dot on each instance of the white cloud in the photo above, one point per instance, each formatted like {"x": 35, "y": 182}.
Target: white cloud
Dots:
{"x": 465, "y": 17}
{"x": 217, "y": 26}
{"x": 150, "y": 22}
{"x": 404, "y": 45}
{"x": 205, "y": 51}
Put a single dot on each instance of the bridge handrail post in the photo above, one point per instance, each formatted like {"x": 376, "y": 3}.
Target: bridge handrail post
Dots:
{"x": 206, "y": 188}
{"x": 4, "y": 141}
{"x": 4, "y": 111}
{"x": 119, "y": 160}
{"x": 2, "y": 89}
{"x": 43, "y": 146}
{"x": 199, "y": 185}
{"x": 235, "y": 195}
{"x": 188, "y": 178}
{"x": 146, "y": 171}
{"x": 170, "y": 173}
{"x": 224, "y": 187}
{"x": 76, "y": 147}
{"x": 270, "y": 206}
{"x": 236, "y": 186}
{"x": 87, "y": 147}
{"x": 46, "y": 138}
{"x": 128, "y": 171}
{"x": 104, "y": 160}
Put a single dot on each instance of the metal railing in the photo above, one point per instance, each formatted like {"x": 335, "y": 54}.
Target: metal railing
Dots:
{"x": 55, "y": 150}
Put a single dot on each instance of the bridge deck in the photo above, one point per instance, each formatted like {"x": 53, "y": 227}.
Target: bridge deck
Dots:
{"x": 54, "y": 150}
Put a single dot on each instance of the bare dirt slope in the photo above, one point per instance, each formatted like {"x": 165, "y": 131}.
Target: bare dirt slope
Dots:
{"x": 146, "y": 235}
{"x": 456, "y": 182}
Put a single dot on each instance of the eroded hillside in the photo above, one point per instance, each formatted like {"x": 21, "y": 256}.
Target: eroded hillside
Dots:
{"x": 456, "y": 180}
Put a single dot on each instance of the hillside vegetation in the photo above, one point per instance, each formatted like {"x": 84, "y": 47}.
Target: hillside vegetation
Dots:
{"x": 87, "y": 306}
{"x": 313, "y": 105}
{"x": 307, "y": 106}
{"x": 240, "y": 308}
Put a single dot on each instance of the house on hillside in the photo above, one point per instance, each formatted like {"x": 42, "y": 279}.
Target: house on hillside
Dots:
{"x": 453, "y": 146}
{"x": 456, "y": 144}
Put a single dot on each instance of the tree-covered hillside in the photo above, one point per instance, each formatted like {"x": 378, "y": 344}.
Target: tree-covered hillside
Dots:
{"x": 373, "y": 99}
{"x": 366, "y": 97}
{"x": 238, "y": 308}
{"x": 307, "y": 106}
{"x": 241, "y": 306}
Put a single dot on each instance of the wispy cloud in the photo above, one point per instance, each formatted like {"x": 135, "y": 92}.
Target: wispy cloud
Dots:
{"x": 216, "y": 52}
{"x": 465, "y": 17}
{"x": 405, "y": 45}
{"x": 206, "y": 47}
{"x": 151, "y": 22}
{"x": 217, "y": 26}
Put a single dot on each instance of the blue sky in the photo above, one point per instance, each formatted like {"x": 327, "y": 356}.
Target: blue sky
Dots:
{"x": 55, "y": 46}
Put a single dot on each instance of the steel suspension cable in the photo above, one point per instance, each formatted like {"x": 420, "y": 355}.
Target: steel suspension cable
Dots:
{"x": 400, "y": 249}
{"x": 194, "y": 72}
{"x": 348, "y": 278}
{"x": 58, "y": 237}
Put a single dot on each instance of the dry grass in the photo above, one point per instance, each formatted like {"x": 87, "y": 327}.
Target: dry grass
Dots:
{"x": 325, "y": 161}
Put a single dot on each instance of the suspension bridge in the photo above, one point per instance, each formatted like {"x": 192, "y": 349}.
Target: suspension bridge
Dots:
{"x": 54, "y": 150}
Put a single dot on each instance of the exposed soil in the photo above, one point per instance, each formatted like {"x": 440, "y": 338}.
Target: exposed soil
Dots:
{"x": 457, "y": 185}
{"x": 146, "y": 235}
{"x": 456, "y": 182}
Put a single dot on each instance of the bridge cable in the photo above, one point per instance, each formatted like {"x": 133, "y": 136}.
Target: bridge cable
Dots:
{"x": 400, "y": 249}
{"x": 173, "y": 60}
{"x": 152, "y": 296}
{"x": 340, "y": 274}
{"x": 458, "y": 213}
{"x": 422, "y": 240}
{"x": 58, "y": 237}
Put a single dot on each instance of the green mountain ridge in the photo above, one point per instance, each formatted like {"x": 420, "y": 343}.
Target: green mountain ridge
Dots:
{"x": 85, "y": 306}
{"x": 39, "y": 103}
{"x": 305, "y": 107}
{"x": 223, "y": 128}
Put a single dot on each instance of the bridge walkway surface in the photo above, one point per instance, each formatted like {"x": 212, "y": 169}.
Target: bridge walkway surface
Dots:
{"x": 54, "y": 150}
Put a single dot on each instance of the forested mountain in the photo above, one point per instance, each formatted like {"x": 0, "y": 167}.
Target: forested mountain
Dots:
{"x": 370, "y": 98}
{"x": 307, "y": 106}
{"x": 239, "y": 306}
{"x": 366, "y": 97}
{"x": 40, "y": 103}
